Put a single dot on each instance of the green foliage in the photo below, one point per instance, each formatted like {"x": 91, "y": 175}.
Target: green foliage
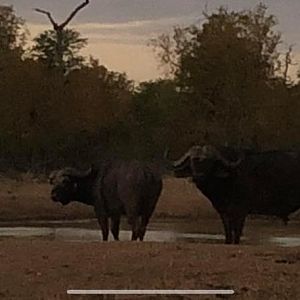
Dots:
{"x": 12, "y": 30}
{"x": 154, "y": 108}
{"x": 227, "y": 71}
{"x": 60, "y": 49}
{"x": 226, "y": 88}
{"x": 49, "y": 119}
{"x": 240, "y": 45}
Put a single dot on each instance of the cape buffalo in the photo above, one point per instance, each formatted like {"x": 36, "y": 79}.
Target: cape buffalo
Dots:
{"x": 239, "y": 183}
{"x": 114, "y": 188}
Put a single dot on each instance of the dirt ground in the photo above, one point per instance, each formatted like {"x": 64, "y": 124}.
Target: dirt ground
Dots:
{"x": 36, "y": 268}
{"x": 31, "y": 269}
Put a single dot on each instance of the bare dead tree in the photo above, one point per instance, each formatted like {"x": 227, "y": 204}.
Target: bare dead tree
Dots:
{"x": 59, "y": 28}
{"x": 287, "y": 63}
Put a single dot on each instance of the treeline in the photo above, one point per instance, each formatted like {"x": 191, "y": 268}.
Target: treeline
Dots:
{"x": 227, "y": 84}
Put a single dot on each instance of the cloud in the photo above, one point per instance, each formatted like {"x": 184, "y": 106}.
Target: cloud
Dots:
{"x": 140, "y": 23}
{"x": 36, "y": 29}
{"x": 137, "y": 61}
{"x": 109, "y": 11}
{"x": 121, "y": 47}
{"x": 121, "y": 44}
{"x": 138, "y": 32}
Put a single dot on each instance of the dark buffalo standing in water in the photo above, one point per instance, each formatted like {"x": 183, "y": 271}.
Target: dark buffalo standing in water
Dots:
{"x": 239, "y": 183}
{"x": 113, "y": 188}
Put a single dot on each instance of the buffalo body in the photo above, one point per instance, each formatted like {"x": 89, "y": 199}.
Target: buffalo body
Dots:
{"x": 113, "y": 188}
{"x": 239, "y": 183}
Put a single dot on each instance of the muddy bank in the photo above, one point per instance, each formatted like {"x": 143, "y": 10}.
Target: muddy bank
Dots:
{"x": 70, "y": 256}
{"x": 257, "y": 232}
{"x": 31, "y": 269}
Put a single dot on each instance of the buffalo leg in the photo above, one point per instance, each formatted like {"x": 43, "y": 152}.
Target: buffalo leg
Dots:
{"x": 238, "y": 226}
{"x": 227, "y": 228}
{"x": 115, "y": 226}
{"x": 285, "y": 220}
{"x": 103, "y": 222}
{"x": 143, "y": 226}
{"x": 135, "y": 229}
{"x": 134, "y": 222}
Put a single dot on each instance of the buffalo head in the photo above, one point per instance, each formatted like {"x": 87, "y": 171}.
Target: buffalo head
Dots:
{"x": 66, "y": 184}
{"x": 200, "y": 161}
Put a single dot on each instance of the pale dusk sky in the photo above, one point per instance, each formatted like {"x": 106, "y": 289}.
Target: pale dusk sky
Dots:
{"x": 118, "y": 30}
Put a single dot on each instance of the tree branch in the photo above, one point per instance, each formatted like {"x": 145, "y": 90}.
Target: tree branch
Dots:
{"x": 287, "y": 63}
{"x": 72, "y": 15}
{"x": 61, "y": 26}
{"x": 55, "y": 25}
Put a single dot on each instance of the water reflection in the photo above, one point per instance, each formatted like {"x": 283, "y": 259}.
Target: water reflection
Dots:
{"x": 80, "y": 234}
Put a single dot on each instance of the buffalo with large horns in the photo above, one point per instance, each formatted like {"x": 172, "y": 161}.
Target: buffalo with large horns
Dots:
{"x": 113, "y": 188}
{"x": 239, "y": 183}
